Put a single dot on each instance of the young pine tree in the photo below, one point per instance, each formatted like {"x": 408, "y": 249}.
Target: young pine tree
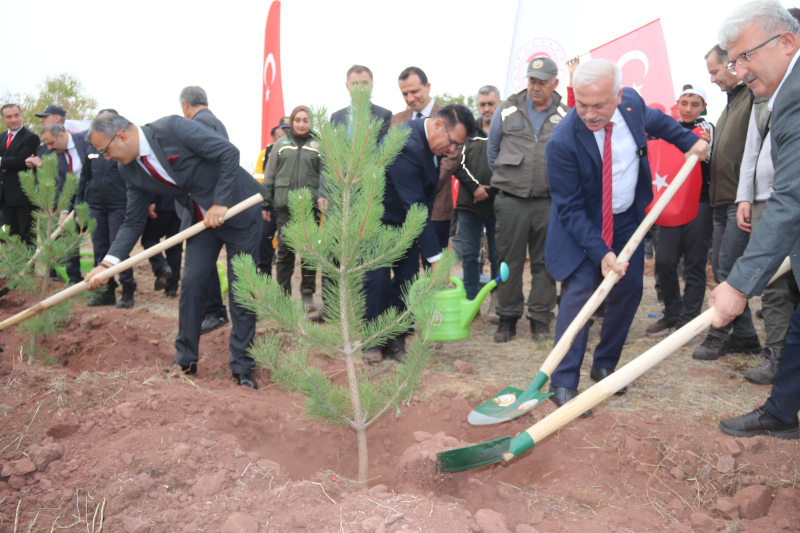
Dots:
{"x": 350, "y": 242}
{"x": 18, "y": 259}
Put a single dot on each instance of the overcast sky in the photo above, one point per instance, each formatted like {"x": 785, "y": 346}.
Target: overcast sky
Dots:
{"x": 137, "y": 56}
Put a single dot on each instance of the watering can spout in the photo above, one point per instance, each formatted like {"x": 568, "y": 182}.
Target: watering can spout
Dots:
{"x": 470, "y": 308}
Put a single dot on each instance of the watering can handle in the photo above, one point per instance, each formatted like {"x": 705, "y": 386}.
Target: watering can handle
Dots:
{"x": 457, "y": 282}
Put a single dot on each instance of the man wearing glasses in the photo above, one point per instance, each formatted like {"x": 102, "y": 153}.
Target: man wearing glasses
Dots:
{"x": 728, "y": 241}
{"x": 412, "y": 179}
{"x": 764, "y": 40}
{"x": 519, "y": 132}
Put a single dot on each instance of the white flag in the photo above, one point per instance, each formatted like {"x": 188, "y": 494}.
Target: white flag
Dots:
{"x": 541, "y": 29}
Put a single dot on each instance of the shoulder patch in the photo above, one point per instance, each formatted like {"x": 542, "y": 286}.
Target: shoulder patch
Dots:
{"x": 313, "y": 144}
{"x": 555, "y": 119}
{"x": 93, "y": 156}
{"x": 507, "y": 111}
{"x": 286, "y": 141}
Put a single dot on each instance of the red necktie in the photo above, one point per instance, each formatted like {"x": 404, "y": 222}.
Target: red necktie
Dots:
{"x": 153, "y": 172}
{"x": 69, "y": 160}
{"x": 8, "y": 141}
{"x": 608, "y": 214}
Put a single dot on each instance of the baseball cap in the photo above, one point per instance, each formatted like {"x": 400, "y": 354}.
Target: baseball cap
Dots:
{"x": 284, "y": 123}
{"x": 52, "y": 109}
{"x": 542, "y": 68}
{"x": 693, "y": 89}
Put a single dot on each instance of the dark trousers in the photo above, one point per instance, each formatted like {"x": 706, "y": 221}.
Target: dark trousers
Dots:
{"x": 266, "y": 252}
{"x": 284, "y": 262}
{"x": 471, "y": 227}
{"x": 521, "y": 230}
{"x": 108, "y": 223}
{"x": 20, "y": 221}
{"x": 200, "y": 268}
{"x": 621, "y": 305}
{"x": 784, "y": 402}
{"x": 692, "y": 242}
{"x": 384, "y": 290}
{"x": 214, "y": 306}
{"x": 729, "y": 243}
{"x": 166, "y": 224}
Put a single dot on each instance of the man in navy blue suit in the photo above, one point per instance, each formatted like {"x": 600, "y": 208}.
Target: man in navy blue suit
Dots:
{"x": 412, "y": 179}
{"x": 600, "y": 184}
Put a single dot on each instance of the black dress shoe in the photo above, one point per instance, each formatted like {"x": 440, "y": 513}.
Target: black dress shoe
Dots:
{"x": 190, "y": 369}
{"x": 162, "y": 276}
{"x": 211, "y": 322}
{"x": 395, "y": 348}
{"x": 760, "y": 422}
{"x": 598, "y": 374}
{"x": 562, "y": 395}
{"x": 246, "y": 380}
{"x": 170, "y": 293}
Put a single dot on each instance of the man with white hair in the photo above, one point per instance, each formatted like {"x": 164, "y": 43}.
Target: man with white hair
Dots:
{"x": 763, "y": 40}
{"x": 600, "y": 184}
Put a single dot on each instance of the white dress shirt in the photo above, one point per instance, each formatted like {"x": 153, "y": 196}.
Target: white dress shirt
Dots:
{"x": 14, "y": 134}
{"x": 146, "y": 150}
{"x": 624, "y": 163}
{"x": 436, "y": 164}
{"x": 426, "y": 112}
{"x": 77, "y": 164}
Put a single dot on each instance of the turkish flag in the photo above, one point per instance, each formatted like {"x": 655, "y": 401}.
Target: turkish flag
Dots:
{"x": 665, "y": 163}
{"x": 271, "y": 91}
{"x": 642, "y": 57}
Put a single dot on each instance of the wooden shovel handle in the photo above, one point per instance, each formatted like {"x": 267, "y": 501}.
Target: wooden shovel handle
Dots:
{"x": 56, "y": 233}
{"x": 588, "y": 309}
{"x": 124, "y": 265}
{"x": 625, "y": 375}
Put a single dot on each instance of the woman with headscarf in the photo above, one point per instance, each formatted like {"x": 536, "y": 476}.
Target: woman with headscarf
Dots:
{"x": 293, "y": 164}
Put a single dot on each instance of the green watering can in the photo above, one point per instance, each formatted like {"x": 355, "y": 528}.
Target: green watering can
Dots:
{"x": 454, "y": 313}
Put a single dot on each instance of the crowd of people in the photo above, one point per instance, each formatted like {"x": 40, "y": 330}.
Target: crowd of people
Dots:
{"x": 559, "y": 182}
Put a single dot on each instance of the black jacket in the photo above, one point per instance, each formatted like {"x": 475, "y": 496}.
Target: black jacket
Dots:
{"x": 475, "y": 163}
{"x": 12, "y": 162}
{"x": 101, "y": 184}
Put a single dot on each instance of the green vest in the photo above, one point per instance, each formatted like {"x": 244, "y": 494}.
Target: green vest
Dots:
{"x": 296, "y": 167}
{"x": 520, "y": 167}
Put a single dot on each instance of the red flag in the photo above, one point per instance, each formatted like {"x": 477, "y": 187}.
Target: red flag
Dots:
{"x": 455, "y": 185}
{"x": 271, "y": 91}
{"x": 665, "y": 162}
{"x": 642, "y": 56}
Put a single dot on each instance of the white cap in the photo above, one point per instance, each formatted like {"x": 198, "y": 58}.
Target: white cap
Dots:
{"x": 694, "y": 89}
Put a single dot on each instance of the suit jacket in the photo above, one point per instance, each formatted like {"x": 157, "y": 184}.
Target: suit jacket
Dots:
{"x": 575, "y": 176}
{"x": 203, "y": 165}
{"x": 12, "y": 162}
{"x": 443, "y": 206}
{"x": 776, "y": 235}
{"x": 209, "y": 120}
{"x": 411, "y": 179}
{"x": 381, "y": 113}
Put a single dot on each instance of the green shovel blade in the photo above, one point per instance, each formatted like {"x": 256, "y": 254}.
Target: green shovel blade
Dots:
{"x": 473, "y": 456}
{"x": 510, "y": 403}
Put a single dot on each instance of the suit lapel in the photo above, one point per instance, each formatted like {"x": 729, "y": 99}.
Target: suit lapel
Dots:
{"x": 155, "y": 145}
{"x": 589, "y": 143}
{"x": 634, "y": 121}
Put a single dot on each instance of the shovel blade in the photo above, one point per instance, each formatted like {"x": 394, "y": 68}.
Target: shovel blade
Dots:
{"x": 509, "y": 403}
{"x": 473, "y": 456}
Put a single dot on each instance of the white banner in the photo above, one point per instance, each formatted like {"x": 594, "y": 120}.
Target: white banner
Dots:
{"x": 541, "y": 29}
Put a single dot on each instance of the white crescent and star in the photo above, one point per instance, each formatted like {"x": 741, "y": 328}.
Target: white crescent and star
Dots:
{"x": 660, "y": 181}
{"x": 633, "y": 55}
{"x": 270, "y": 60}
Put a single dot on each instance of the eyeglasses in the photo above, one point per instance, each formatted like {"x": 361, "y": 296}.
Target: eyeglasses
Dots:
{"x": 104, "y": 150}
{"x": 744, "y": 58}
{"x": 454, "y": 144}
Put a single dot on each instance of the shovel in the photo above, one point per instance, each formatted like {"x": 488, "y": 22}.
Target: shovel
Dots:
{"x": 124, "y": 265}
{"x": 58, "y": 231}
{"x": 506, "y": 448}
{"x": 511, "y": 402}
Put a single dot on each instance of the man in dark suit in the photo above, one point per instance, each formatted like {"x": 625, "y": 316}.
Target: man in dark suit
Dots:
{"x": 72, "y": 151}
{"x": 416, "y": 90}
{"x": 200, "y": 169}
{"x": 17, "y": 144}
{"x": 763, "y": 42}
{"x": 359, "y": 75}
{"x": 411, "y": 179}
{"x": 600, "y": 183}
{"x": 194, "y": 103}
